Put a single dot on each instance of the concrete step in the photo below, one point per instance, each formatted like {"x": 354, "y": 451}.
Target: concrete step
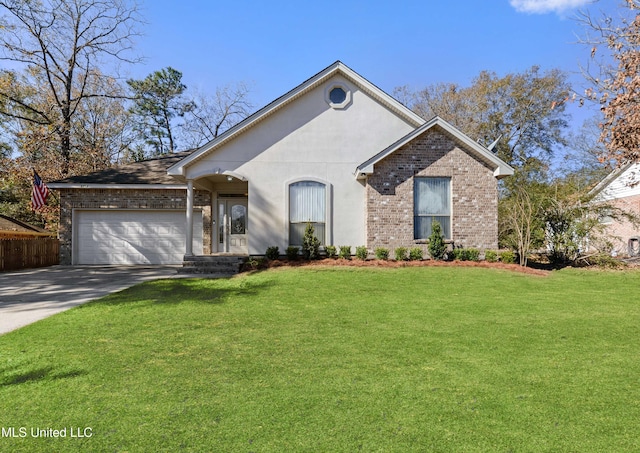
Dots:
{"x": 212, "y": 264}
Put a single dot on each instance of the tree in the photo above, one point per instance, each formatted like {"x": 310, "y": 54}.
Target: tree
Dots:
{"x": 158, "y": 99}
{"x": 614, "y": 78}
{"x": 526, "y": 110}
{"x": 102, "y": 130}
{"x": 59, "y": 45}
{"x": 211, "y": 115}
{"x": 583, "y": 162}
{"x": 521, "y": 225}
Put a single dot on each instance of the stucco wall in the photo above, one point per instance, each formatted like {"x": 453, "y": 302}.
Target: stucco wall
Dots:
{"x": 474, "y": 194}
{"x": 307, "y": 140}
{"x": 71, "y": 199}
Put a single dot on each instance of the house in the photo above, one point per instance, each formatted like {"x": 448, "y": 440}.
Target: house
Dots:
{"x": 335, "y": 151}
{"x": 10, "y": 227}
{"x": 621, "y": 189}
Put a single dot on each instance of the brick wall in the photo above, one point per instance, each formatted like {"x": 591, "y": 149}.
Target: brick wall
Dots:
{"x": 619, "y": 231}
{"x": 474, "y": 192}
{"x": 71, "y": 199}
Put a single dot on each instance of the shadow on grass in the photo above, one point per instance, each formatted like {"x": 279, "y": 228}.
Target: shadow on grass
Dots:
{"x": 177, "y": 291}
{"x": 37, "y": 374}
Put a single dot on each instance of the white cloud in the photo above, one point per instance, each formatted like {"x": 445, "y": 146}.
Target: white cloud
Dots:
{"x": 546, "y": 6}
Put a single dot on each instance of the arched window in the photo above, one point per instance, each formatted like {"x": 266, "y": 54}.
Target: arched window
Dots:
{"x": 307, "y": 204}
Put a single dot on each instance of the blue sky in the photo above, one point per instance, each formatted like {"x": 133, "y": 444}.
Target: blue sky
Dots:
{"x": 276, "y": 45}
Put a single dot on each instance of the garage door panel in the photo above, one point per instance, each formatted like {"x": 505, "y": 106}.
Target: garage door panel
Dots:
{"x": 133, "y": 237}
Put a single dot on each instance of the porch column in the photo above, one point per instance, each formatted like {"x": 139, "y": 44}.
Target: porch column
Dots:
{"x": 189, "y": 251}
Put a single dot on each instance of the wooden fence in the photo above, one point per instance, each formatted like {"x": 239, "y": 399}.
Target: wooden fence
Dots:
{"x": 21, "y": 251}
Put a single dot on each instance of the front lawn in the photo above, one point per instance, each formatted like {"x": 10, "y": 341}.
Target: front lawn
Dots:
{"x": 326, "y": 360}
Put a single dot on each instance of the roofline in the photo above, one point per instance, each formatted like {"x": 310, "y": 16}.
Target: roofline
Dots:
{"x": 76, "y": 185}
{"x": 502, "y": 169}
{"x": 338, "y": 67}
{"x": 609, "y": 179}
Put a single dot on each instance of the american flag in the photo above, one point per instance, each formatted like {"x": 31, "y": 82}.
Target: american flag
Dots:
{"x": 39, "y": 193}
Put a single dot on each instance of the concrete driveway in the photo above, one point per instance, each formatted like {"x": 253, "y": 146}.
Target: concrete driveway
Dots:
{"x": 29, "y": 295}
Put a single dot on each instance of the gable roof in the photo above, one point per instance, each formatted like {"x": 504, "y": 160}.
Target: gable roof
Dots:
{"x": 623, "y": 181}
{"x": 10, "y": 224}
{"x": 501, "y": 168}
{"x": 147, "y": 172}
{"x": 337, "y": 68}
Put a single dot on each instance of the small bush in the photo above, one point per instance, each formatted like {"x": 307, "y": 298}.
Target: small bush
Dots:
{"x": 254, "y": 263}
{"x": 491, "y": 256}
{"x": 415, "y": 254}
{"x": 331, "y": 250}
{"x": 345, "y": 252}
{"x": 382, "y": 253}
{"x": 457, "y": 254}
{"x": 606, "y": 261}
{"x": 472, "y": 254}
{"x": 469, "y": 254}
{"x": 401, "y": 253}
{"x": 437, "y": 247}
{"x": 507, "y": 257}
{"x": 310, "y": 243}
{"x": 362, "y": 252}
{"x": 292, "y": 252}
{"x": 273, "y": 253}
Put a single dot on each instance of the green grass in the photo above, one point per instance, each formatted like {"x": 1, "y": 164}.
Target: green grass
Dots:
{"x": 329, "y": 360}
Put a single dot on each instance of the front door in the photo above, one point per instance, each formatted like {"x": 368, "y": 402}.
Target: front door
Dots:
{"x": 232, "y": 226}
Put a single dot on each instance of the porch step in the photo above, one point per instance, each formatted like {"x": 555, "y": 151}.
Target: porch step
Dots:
{"x": 223, "y": 265}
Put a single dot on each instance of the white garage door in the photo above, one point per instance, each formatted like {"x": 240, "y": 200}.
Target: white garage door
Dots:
{"x": 133, "y": 237}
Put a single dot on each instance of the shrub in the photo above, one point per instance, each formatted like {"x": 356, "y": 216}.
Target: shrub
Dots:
{"x": 382, "y": 253}
{"x": 345, "y": 252}
{"x": 310, "y": 243}
{"x": 472, "y": 254}
{"x": 362, "y": 252}
{"x": 458, "y": 254}
{"x": 331, "y": 250}
{"x": 273, "y": 253}
{"x": 415, "y": 254}
{"x": 292, "y": 252}
{"x": 437, "y": 247}
{"x": 507, "y": 257}
{"x": 401, "y": 253}
{"x": 254, "y": 263}
{"x": 491, "y": 256}
{"x": 469, "y": 254}
{"x": 606, "y": 261}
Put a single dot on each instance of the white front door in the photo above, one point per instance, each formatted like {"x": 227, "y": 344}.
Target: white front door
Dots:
{"x": 232, "y": 226}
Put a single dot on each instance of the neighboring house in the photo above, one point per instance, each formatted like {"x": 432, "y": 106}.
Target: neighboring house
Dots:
{"x": 336, "y": 151}
{"x": 621, "y": 189}
{"x": 10, "y": 227}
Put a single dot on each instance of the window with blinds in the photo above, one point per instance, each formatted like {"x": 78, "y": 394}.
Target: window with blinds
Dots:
{"x": 307, "y": 204}
{"x": 431, "y": 203}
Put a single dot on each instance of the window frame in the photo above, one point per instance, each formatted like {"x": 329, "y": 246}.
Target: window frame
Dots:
{"x": 328, "y": 223}
{"x": 338, "y": 105}
{"x": 446, "y": 234}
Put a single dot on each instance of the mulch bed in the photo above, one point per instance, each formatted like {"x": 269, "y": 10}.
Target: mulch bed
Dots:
{"x": 328, "y": 262}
